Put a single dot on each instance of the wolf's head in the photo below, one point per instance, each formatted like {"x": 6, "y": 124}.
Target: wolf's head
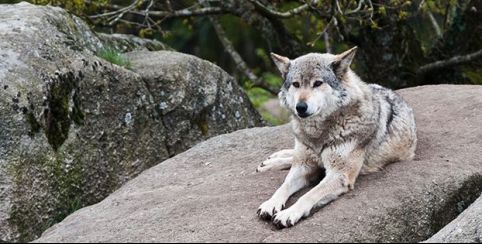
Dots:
{"x": 314, "y": 83}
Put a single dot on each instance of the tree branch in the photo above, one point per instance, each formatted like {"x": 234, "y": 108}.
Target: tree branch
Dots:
{"x": 238, "y": 60}
{"x": 322, "y": 33}
{"x": 432, "y": 19}
{"x": 434, "y": 24}
{"x": 288, "y": 14}
{"x": 448, "y": 62}
{"x": 120, "y": 11}
{"x": 185, "y": 12}
{"x": 357, "y": 8}
{"x": 326, "y": 37}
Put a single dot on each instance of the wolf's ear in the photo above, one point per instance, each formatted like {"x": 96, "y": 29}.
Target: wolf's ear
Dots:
{"x": 342, "y": 61}
{"x": 283, "y": 63}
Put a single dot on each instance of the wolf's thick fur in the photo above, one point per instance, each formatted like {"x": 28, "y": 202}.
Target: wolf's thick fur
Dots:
{"x": 341, "y": 124}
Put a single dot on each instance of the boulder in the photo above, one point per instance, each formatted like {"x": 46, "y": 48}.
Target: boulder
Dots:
{"x": 74, "y": 127}
{"x": 211, "y": 192}
{"x": 196, "y": 99}
{"x": 466, "y": 228}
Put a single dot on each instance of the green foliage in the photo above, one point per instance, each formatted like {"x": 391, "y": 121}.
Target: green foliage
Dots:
{"x": 9, "y": 1}
{"x": 78, "y": 7}
{"x": 114, "y": 56}
{"x": 259, "y": 96}
{"x": 272, "y": 79}
{"x": 475, "y": 77}
{"x": 270, "y": 118}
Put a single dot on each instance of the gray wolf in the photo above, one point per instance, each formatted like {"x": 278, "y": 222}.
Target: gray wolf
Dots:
{"x": 341, "y": 124}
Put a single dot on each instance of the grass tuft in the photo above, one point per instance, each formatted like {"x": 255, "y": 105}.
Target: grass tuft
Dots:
{"x": 114, "y": 56}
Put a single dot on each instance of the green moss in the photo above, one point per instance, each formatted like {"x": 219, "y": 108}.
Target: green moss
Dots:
{"x": 35, "y": 208}
{"x": 113, "y": 56}
{"x": 21, "y": 216}
{"x": 202, "y": 123}
{"x": 68, "y": 179}
{"x": 27, "y": 208}
{"x": 34, "y": 124}
{"x": 203, "y": 126}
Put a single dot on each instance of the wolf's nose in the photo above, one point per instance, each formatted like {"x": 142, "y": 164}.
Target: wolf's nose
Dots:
{"x": 301, "y": 107}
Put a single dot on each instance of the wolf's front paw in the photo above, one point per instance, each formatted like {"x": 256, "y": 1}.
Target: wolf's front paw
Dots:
{"x": 287, "y": 218}
{"x": 277, "y": 161}
{"x": 269, "y": 209}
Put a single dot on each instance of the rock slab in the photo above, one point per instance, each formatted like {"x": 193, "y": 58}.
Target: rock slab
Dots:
{"x": 211, "y": 192}
{"x": 466, "y": 228}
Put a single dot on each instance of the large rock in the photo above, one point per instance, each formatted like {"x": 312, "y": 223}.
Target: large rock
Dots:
{"x": 73, "y": 127}
{"x": 196, "y": 100}
{"x": 211, "y": 192}
{"x": 466, "y": 228}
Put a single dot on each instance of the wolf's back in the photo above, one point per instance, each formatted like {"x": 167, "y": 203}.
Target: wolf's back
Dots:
{"x": 396, "y": 136}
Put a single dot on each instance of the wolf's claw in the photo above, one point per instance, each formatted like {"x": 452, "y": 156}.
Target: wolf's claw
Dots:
{"x": 264, "y": 215}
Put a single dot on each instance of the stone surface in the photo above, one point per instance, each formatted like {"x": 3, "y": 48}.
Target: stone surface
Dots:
{"x": 211, "y": 192}
{"x": 196, "y": 99}
{"x": 74, "y": 127}
{"x": 466, "y": 228}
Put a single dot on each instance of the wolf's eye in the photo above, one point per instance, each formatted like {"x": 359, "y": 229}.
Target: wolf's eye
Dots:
{"x": 318, "y": 83}
{"x": 296, "y": 84}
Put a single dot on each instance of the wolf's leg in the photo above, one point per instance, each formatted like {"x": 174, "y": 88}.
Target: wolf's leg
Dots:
{"x": 341, "y": 173}
{"x": 282, "y": 159}
{"x": 297, "y": 178}
{"x": 277, "y": 161}
{"x": 275, "y": 164}
{"x": 286, "y": 153}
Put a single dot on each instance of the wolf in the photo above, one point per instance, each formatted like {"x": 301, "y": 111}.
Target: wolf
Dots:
{"x": 341, "y": 124}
